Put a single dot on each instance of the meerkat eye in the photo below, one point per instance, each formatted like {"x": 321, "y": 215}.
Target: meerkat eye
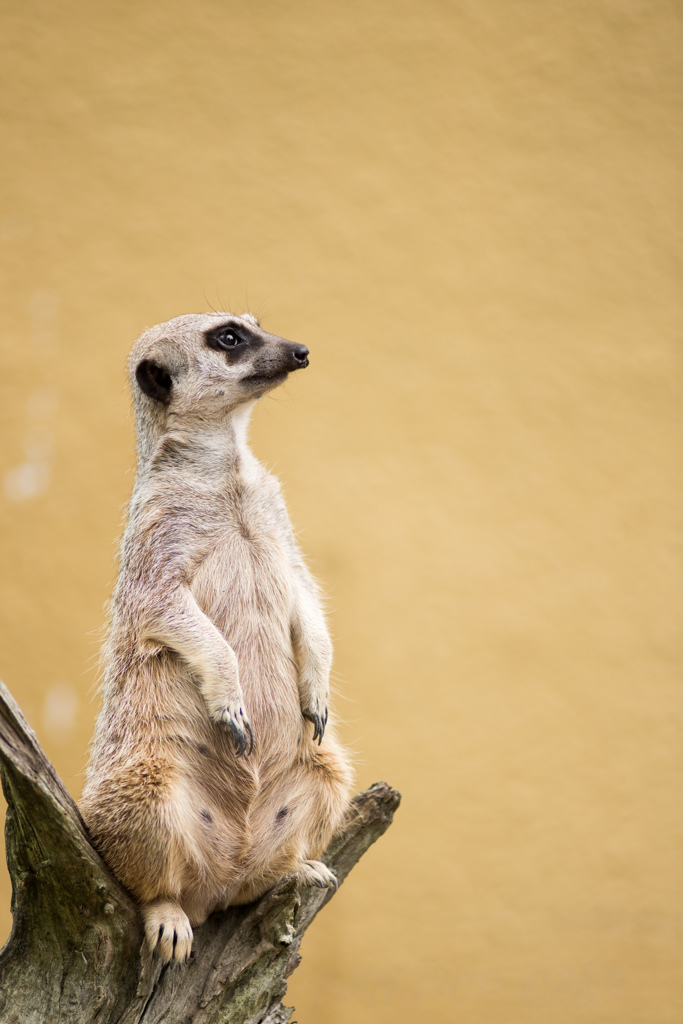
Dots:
{"x": 225, "y": 338}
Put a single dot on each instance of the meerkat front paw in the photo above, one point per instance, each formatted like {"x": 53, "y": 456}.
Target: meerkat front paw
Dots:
{"x": 319, "y": 719}
{"x": 236, "y": 723}
{"x": 168, "y": 931}
{"x": 314, "y": 872}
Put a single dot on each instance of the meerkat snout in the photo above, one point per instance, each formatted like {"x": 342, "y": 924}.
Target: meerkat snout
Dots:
{"x": 300, "y": 357}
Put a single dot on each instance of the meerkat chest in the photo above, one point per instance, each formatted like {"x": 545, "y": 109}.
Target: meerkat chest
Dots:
{"x": 245, "y": 580}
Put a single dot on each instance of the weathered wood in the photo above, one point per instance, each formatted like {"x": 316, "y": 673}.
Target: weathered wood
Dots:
{"x": 76, "y": 951}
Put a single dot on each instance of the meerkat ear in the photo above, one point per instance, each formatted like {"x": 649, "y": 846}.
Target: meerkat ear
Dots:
{"x": 154, "y": 380}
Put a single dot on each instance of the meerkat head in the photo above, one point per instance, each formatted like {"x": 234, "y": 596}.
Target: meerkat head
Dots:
{"x": 207, "y": 365}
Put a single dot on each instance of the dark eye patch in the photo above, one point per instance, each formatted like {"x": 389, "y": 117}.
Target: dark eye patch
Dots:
{"x": 227, "y": 337}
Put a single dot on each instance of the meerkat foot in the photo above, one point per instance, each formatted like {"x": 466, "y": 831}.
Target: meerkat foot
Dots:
{"x": 236, "y": 723}
{"x": 168, "y": 931}
{"x": 314, "y": 872}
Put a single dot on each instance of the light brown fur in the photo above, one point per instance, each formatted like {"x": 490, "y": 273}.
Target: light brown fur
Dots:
{"x": 216, "y": 631}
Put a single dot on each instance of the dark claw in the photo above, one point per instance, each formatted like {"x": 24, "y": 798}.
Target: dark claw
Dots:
{"x": 319, "y": 723}
{"x": 240, "y": 737}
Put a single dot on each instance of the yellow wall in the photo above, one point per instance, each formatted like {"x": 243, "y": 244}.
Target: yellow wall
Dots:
{"x": 468, "y": 210}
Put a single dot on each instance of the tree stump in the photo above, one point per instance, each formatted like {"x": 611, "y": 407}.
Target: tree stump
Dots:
{"x": 76, "y": 951}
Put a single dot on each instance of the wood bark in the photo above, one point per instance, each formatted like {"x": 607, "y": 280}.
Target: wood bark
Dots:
{"x": 76, "y": 951}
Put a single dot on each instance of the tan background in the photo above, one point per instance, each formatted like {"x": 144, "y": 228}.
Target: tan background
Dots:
{"x": 470, "y": 212}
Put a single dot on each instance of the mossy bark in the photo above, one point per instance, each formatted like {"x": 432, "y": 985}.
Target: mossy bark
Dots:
{"x": 76, "y": 951}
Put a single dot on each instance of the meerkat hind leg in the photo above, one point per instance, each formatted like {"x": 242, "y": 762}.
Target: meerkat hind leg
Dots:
{"x": 314, "y": 872}
{"x": 168, "y": 930}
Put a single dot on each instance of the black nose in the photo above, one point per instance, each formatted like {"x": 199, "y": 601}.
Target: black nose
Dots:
{"x": 300, "y": 356}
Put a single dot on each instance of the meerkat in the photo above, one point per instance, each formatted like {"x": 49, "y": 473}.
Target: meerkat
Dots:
{"x": 214, "y": 769}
